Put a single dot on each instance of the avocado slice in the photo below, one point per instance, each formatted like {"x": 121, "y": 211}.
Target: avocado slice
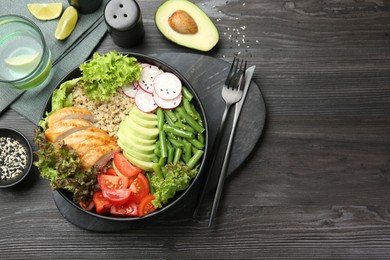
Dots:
{"x": 184, "y": 23}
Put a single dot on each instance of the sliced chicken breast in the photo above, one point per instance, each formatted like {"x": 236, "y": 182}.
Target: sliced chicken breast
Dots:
{"x": 68, "y": 113}
{"x": 60, "y": 129}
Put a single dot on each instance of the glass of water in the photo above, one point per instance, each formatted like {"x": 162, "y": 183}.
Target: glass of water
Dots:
{"x": 25, "y": 59}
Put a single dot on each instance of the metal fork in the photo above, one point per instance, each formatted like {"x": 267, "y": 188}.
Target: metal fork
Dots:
{"x": 231, "y": 94}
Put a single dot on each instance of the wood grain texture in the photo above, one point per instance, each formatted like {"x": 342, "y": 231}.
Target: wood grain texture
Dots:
{"x": 318, "y": 182}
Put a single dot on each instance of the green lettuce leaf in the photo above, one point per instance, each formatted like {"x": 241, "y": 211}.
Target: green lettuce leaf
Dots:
{"x": 104, "y": 74}
{"x": 177, "y": 177}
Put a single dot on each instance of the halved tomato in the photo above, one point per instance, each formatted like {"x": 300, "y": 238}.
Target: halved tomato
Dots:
{"x": 109, "y": 182}
{"x": 146, "y": 206}
{"x": 125, "y": 167}
{"x": 139, "y": 188}
{"x": 111, "y": 171}
{"x": 102, "y": 205}
{"x": 117, "y": 197}
{"x": 128, "y": 209}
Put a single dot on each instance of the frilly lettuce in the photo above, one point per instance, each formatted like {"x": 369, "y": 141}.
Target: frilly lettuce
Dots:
{"x": 104, "y": 74}
{"x": 177, "y": 177}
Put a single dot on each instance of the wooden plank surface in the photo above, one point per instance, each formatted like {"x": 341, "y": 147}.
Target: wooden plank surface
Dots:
{"x": 317, "y": 184}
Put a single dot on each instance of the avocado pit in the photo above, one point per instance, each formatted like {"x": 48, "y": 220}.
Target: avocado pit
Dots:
{"x": 180, "y": 21}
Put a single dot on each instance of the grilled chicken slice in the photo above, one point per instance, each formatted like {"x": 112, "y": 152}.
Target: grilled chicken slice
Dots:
{"x": 69, "y": 113}
{"x": 90, "y": 158}
{"x": 60, "y": 129}
{"x": 92, "y": 145}
{"x": 83, "y": 135}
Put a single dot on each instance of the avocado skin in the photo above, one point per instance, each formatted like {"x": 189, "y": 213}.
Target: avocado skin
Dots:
{"x": 204, "y": 39}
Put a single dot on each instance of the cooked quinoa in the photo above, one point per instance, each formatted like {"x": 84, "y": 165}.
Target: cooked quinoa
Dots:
{"x": 107, "y": 114}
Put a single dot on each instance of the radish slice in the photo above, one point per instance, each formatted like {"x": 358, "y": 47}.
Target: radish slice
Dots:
{"x": 167, "y": 103}
{"x": 148, "y": 74}
{"x": 167, "y": 86}
{"x": 144, "y": 101}
{"x": 130, "y": 89}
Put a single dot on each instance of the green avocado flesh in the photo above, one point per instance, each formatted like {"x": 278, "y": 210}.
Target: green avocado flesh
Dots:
{"x": 137, "y": 136}
{"x": 175, "y": 26}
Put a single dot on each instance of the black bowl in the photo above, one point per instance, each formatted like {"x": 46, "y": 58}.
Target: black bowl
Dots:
{"x": 21, "y": 139}
{"x": 182, "y": 200}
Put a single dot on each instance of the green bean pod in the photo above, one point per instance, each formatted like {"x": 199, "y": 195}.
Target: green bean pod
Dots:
{"x": 177, "y": 131}
{"x": 194, "y": 159}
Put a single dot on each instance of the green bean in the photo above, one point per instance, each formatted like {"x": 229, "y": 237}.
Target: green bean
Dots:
{"x": 188, "y": 109}
{"x": 176, "y": 157}
{"x": 194, "y": 159}
{"x": 171, "y": 153}
{"x": 177, "y": 131}
{"x": 184, "y": 127}
{"x": 191, "y": 121}
{"x": 187, "y": 151}
{"x": 196, "y": 143}
{"x": 171, "y": 115}
{"x": 149, "y": 177}
{"x": 155, "y": 159}
{"x": 157, "y": 149}
{"x": 201, "y": 138}
{"x": 163, "y": 144}
{"x": 194, "y": 149}
{"x": 195, "y": 111}
{"x": 157, "y": 170}
{"x": 176, "y": 143}
{"x": 168, "y": 119}
{"x": 187, "y": 94}
{"x": 169, "y": 145}
{"x": 162, "y": 161}
{"x": 160, "y": 118}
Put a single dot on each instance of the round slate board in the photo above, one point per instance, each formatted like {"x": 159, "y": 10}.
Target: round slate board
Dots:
{"x": 207, "y": 76}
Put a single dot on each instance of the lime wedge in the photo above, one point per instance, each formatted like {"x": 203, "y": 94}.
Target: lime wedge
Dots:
{"x": 44, "y": 12}
{"x": 67, "y": 23}
{"x": 24, "y": 63}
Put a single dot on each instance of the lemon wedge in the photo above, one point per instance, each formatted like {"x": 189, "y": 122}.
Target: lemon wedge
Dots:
{"x": 67, "y": 23}
{"x": 45, "y": 11}
{"x": 24, "y": 63}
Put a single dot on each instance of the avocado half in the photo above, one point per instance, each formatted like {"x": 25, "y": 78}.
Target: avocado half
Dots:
{"x": 184, "y": 23}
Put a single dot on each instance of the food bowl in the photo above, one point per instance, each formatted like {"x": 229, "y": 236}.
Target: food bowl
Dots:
{"x": 181, "y": 201}
{"x": 16, "y": 157}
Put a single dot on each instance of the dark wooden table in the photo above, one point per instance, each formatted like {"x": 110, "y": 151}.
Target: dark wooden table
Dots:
{"x": 317, "y": 185}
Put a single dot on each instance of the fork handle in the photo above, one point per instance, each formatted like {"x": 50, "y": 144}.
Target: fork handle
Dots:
{"x": 214, "y": 154}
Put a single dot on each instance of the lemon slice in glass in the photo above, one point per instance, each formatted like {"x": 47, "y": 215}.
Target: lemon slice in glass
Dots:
{"x": 67, "y": 23}
{"x": 45, "y": 11}
{"x": 23, "y": 64}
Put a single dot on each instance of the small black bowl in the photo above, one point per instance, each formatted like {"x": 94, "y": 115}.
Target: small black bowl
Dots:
{"x": 23, "y": 141}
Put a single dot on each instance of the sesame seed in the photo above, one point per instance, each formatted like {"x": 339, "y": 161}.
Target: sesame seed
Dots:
{"x": 13, "y": 158}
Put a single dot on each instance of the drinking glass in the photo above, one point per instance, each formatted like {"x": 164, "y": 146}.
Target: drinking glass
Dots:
{"x": 25, "y": 59}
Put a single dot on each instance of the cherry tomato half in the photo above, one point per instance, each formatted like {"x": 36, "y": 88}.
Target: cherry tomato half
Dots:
{"x": 139, "y": 188}
{"x": 146, "y": 205}
{"x": 107, "y": 182}
{"x": 102, "y": 205}
{"x": 130, "y": 209}
{"x": 117, "y": 197}
{"x": 125, "y": 167}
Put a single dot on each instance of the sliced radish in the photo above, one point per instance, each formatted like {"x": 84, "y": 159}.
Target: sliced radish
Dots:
{"x": 167, "y": 103}
{"x": 130, "y": 89}
{"x": 143, "y": 64}
{"x": 167, "y": 86}
{"x": 144, "y": 101}
{"x": 148, "y": 74}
